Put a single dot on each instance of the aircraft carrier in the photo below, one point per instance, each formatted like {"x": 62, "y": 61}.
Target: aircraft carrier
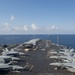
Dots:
{"x": 37, "y": 59}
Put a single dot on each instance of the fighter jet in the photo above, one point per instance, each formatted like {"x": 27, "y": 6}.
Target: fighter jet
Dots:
{"x": 12, "y": 52}
{"x": 63, "y": 51}
{"x": 66, "y": 58}
{"x": 6, "y": 68}
{"x": 70, "y": 65}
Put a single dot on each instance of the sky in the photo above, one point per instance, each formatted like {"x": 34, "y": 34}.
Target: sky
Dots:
{"x": 37, "y": 16}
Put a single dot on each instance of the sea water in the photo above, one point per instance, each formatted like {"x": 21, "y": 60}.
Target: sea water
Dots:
{"x": 65, "y": 39}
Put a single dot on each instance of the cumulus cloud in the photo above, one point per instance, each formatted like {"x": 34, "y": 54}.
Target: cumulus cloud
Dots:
{"x": 53, "y": 27}
{"x": 15, "y": 28}
{"x": 28, "y": 29}
{"x": 20, "y": 28}
{"x": 12, "y": 17}
{"x": 5, "y": 27}
{"x": 25, "y": 28}
{"x": 34, "y": 27}
{"x": 6, "y": 24}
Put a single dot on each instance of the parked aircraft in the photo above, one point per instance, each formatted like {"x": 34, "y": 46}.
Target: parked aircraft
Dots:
{"x": 70, "y": 58}
{"x": 63, "y": 51}
{"x": 6, "y": 68}
{"x": 12, "y": 52}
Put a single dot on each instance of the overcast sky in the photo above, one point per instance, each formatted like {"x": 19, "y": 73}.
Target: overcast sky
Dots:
{"x": 37, "y": 16}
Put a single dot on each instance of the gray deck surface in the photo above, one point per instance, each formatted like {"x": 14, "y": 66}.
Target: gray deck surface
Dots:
{"x": 40, "y": 59}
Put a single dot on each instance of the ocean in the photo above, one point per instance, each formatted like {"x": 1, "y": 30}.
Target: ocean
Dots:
{"x": 65, "y": 39}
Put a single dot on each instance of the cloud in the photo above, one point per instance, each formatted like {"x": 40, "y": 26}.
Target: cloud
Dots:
{"x": 12, "y": 17}
{"x": 54, "y": 27}
{"x": 34, "y": 27}
{"x": 30, "y": 29}
{"x": 5, "y": 27}
{"x": 51, "y": 28}
{"x": 20, "y": 28}
{"x": 6, "y": 24}
{"x": 25, "y": 28}
{"x": 14, "y": 28}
